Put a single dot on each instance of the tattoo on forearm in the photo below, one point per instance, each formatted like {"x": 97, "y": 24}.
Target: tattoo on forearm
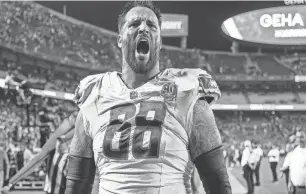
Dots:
{"x": 81, "y": 144}
{"x": 204, "y": 135}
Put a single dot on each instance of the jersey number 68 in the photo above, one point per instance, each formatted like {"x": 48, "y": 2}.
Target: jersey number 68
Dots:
{"x": 139, "y": 131}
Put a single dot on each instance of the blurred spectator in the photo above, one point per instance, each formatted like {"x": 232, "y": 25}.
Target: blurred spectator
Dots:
{"x": 4, "y": 165}
{"x": 28, "y": 155}
{"x": 248, "y": 165}
{"x": 259, "y": 155}
{"x": 273, "y": 160}
{"x": 285, "y": 168}
{"x": 231, "y": 155}
{"x": 20, "y": 156}
{"x": 45, "y": 126}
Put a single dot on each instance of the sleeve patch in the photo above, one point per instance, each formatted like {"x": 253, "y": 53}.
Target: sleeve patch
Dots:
{"x": 208, "y": 88}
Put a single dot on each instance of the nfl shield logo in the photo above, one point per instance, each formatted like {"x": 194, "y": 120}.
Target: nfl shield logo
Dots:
{"x": 133, "y": 95}
{"x": 169, "y": 91}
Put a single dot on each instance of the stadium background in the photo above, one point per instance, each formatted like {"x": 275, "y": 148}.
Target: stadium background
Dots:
{"x": 263, "y": 94}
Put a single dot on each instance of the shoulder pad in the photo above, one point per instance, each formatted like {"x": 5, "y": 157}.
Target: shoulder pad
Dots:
{"x": 207, "y": 87}
{"x": 85, "y": 88}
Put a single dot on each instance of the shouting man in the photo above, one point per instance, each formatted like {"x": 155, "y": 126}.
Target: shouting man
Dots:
{"x": 145, "y": 129}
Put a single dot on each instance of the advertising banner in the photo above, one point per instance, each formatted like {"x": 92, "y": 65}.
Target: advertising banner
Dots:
{"x": 174, "y": 25}
{"x": 285, "y": 26}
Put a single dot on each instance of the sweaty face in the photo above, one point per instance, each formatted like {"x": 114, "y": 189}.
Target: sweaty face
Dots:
{"x": 140, "y": 40}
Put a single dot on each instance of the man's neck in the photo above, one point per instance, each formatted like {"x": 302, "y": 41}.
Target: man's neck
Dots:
{"x": 134, "y": 80}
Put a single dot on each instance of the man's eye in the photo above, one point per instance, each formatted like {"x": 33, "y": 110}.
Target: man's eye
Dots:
{"x": 151, "y": 25}
{"x": 134, "y": 24}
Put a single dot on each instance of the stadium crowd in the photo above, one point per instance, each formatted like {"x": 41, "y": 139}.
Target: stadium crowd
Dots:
{"x": 25, "y": 129}
{"x": 264, "y": 127}
{"x": 33, "y": 29}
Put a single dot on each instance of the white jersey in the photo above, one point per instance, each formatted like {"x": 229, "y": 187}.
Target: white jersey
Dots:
{"x": 141, "y": 136}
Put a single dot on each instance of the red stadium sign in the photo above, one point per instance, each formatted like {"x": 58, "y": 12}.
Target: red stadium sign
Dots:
{"x": 275, "y": 26}
{"x": 174, "y": 25}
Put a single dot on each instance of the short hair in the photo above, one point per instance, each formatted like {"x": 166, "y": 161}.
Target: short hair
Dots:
{"x": 131, "y": 4}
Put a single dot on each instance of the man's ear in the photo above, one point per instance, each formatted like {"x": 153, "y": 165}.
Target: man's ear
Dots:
{"x": 119, "y": 41}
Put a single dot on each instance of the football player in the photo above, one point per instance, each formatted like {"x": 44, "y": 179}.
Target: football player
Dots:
{"x": 145, "y": 129}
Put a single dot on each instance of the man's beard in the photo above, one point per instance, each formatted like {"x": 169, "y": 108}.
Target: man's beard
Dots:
{"x": 139, "y": 67}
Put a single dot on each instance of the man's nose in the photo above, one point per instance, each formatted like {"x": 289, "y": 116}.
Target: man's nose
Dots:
{"x": 143, "y": 28}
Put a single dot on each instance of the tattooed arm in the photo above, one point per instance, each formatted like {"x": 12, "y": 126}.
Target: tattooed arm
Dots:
{"x": 81, "y": 166}
{"x": 206, "y": 150}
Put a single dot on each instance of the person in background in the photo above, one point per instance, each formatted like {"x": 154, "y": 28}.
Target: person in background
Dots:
{"x": 273, "y": 160}
{"x": 20, "y": 156}
{"x": 4, "y": 165}
{"x": 15, "y": 79}
{"x": 57, "y": 165}
{"x": 236, "y": 157}
{"x": 45, "y": 124}
{"x": 241, "y": 148}
{"x": 28, "y": 154}
{"x": 231, "y": 155}
{"x": 248, "y": 165}
{"x": 297, "y": 167}
{"x": 8, "y": 147}
{"x": 285, "y": 168}
{"x": 259, "y": 155}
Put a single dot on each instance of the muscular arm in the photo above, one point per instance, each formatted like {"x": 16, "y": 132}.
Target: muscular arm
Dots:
{"x": 206, "y": 150}
{"x": 81, "y": 166}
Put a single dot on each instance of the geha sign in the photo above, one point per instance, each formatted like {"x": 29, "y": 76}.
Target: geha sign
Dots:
{"x": 277, "y": 26}
{"x": 174, "y": 25}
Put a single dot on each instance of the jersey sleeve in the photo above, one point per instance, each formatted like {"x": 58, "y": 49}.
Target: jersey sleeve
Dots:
{"x": 85, "y": 88}
{"x": 208, "y": 87}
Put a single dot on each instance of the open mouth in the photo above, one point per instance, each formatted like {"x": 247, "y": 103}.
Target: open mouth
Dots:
{"x": 143, "y": 46}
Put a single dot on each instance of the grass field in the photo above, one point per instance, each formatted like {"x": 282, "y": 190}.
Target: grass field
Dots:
{"x": 237, "y": 182}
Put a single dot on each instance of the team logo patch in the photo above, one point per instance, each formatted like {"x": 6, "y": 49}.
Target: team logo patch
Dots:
{"x": 169, "y": 91}
{"x": 133, "y": 94}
